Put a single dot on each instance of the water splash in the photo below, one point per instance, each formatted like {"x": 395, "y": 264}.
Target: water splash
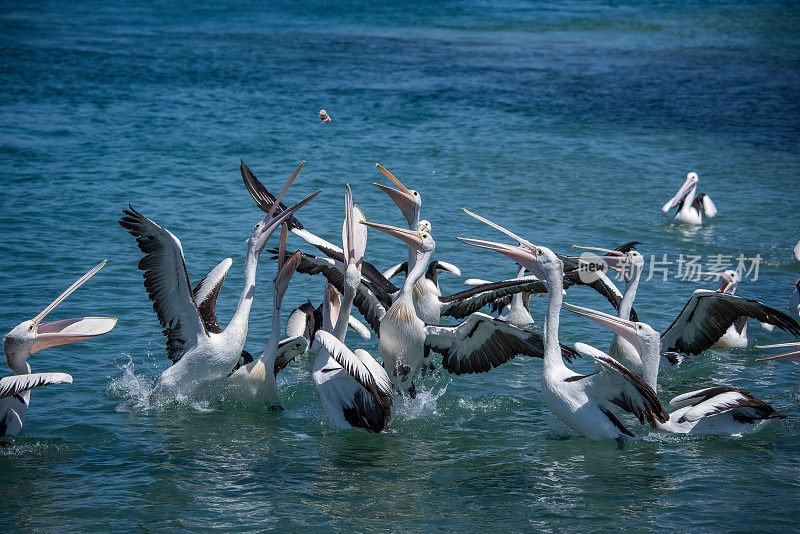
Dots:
{"x": 422, "y": 406}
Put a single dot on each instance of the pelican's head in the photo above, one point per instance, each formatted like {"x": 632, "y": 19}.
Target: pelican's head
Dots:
{"x": 425, "y": 226}
{"x": 688, "y": 186}
{"x": 408, "y": 200}
{"x": 33, "y": 335}
{"x": 730, "y": 279}
{"x": 642, "y": 336}
{"x": 267, "y": 226}
{"x": 420, "y": 242}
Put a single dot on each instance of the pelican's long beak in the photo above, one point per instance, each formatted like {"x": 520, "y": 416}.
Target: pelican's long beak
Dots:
{"x": 626, "y": 329}
{"x": 496, "y": 226}
{"x": 409, "y": 237}
{"x": 682, "y": 192}
{"x": 271, "y": 225}
{"x": 521, "y": 255}
{"x": 65, "y": 331}
{"x": 334, "y": 302}
{"x": 791, "y": 355}
{"x": 354, "y": 236}
{"x": 403, "y": 197}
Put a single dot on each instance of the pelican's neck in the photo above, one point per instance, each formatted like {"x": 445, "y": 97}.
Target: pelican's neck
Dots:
{"x": 352, "y": 277}
{"x": 631, "y": 286}
{"x": 689, "y": 198}
{"x": 414, "y": 274}
{"x": 555, "y": 284}
{"x": 651, "y": 360}
{"x": 268, "y": 356}
{"x": 242, "y": 314}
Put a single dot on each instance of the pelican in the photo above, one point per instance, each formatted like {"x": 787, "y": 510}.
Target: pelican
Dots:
{"x": 704, "y": 320}
{"x": 478, "y": 344}
{"x": 32, "y": 336}
{"x": 585, "y": 403}
{"x": 690, "y": 208}
{"x": 201, "y": 351}
{"x": 793, "y": 354}
{"x": 722, "y": 410}
{"x": 353, "y": 389}
{"x": 256, "y": 381}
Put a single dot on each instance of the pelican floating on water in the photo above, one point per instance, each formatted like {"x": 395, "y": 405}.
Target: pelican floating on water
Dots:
{"x": 201, "y": 351}
{"x": 353, "y": 388}
{"x": 721, "y": 410}
{"x": 585, "y": 403}
{"x": 256, "y": 381}
{"x": 32, "y": 336}
{"x": 691, "y": 208}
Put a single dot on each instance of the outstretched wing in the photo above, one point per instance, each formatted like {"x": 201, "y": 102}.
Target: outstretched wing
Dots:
{"x": 369, "y": 300}
{"x": 374, "y": 415}
{"x": 394, "y": 270}
{"x": 744, "y": 407}
{"x": 14, "y": 385}
{"x": 481, "y": 343}
{"x": 470, "y": 300}
{"x": 289, "y": 349}
{"x": 709, "y": 314}
{"x": 206, "y": 293}
{"x": 616, "y": 384}
{"x": 167, "y": 282}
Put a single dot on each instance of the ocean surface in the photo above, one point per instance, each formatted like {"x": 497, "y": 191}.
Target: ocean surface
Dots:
{"x": 570, "y": 123}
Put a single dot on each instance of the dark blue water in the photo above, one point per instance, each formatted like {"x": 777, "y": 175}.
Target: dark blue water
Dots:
{"x": 586, "y": 116}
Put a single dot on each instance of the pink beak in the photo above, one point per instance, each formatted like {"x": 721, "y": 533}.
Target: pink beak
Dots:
{"x": 354, "y": 237}
{"x": 521, "y": 255}
{"x": 625, "y": 329}
{"x": 65, "y": 331}
{"x": 791, "y": 355}
{"x": 409, "y": 237}
{"x": 402, "y": 196}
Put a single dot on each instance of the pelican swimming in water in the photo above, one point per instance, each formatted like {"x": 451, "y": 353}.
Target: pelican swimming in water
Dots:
{"x": 720, "y": 410}
{"x": 585, "y": 403}
{"x": 691, "y": 208}
{"x": 257, "y": 381}
{"x": 353, "y": 388}
{"x": 32, "y": 336}
{"x": 201, "y": 351}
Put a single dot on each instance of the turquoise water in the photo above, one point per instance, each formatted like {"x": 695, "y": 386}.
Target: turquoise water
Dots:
{"x": 587, "y": 115}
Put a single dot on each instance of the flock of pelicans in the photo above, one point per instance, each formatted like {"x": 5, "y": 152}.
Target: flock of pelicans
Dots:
{"x": 355, "y": 390}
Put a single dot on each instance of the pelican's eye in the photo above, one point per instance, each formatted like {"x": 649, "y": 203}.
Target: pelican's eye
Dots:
{"x": 31, "y": 327}
{"x": 539, "y": 252}
{"x": 639, "y": 327}
{"x": 424, "y": 236}
{"x": 258, "y": 226}
{"x": 416, "y": 194}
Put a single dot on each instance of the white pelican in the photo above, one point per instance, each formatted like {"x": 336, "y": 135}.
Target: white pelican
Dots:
{"x": 722, "y": 410}
{"x": 585, "y": 403}
{"x": 256, "y": 381}
{"x": 478, "y": 344}
{"x": 201, "y": 351}
{"x": 32, "y": 336}
{"x": 353, "y": 389}
{"x": 690, "y": 208}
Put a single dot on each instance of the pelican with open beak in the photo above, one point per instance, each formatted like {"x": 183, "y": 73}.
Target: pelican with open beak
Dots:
{"x": 34, "y": 335}
{"x": 408, "y": 200}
